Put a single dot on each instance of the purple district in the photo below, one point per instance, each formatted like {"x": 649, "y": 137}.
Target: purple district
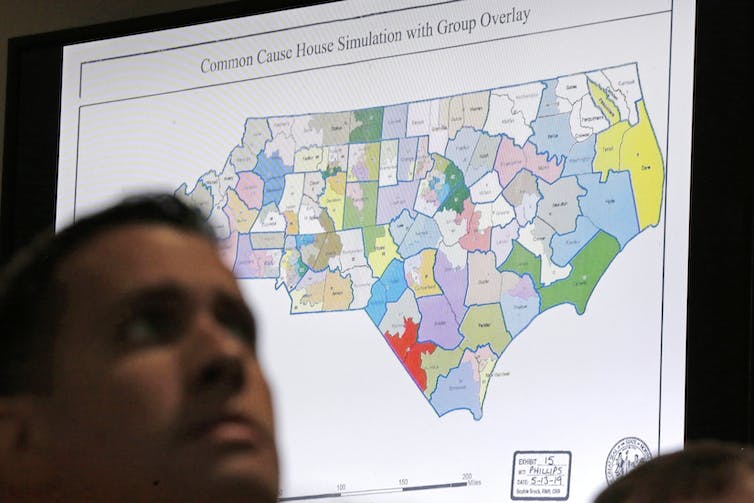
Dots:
{"x": 395, "y": 198}
{"x": 245, "y": 267}
{"x": 438, "y": 323}
{"x": 251, "y": 263}
{"x": 524, "y": 289}
{"x": 394, "y": 122}
{"x": 406, "y": 157}
{"x": 361, "y": 172}
{"x": 453, "y": 281}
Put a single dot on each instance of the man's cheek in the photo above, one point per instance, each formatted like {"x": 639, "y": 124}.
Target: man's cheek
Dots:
{"x": 147, "y": 390}
{"x": 262, "y": 400}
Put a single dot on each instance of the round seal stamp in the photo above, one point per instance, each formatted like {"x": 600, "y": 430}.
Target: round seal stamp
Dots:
{"x": 626, "y": 455}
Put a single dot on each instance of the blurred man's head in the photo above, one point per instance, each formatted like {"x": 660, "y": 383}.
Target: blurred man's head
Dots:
{"x": 128, "y": 369}
{"x": 708, "y": 472}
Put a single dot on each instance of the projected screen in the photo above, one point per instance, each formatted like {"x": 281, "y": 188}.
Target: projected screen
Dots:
{"x": 462, "y": 226}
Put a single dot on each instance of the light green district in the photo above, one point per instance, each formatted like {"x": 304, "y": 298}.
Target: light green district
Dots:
{"x": 485, "y": 325}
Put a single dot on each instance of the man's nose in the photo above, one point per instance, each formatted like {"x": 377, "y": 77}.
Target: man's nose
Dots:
{"x": 216, "y": 356}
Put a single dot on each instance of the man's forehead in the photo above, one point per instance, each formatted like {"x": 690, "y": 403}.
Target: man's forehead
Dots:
{"x": 137, "y": 253}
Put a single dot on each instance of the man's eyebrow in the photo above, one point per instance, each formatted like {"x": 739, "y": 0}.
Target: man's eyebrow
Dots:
{"x": 175, "y": 291}
{"x": 152, "y": 293}
{"x": 236, "y": 302}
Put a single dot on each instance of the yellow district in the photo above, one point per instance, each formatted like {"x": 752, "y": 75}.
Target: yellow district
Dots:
{"x": 423, "y": 282}
{"x": 309, "y": 299}
{"x": 245, "y": 216}
{"x": 605, "y": 104}
{"x": 372, "y": 160}
{"x": 310, "y": 159}
{"x": 333, "y": 200}
{"x": 439, "y": 363}
{"x": 484, "y": 324}
{"x": 385, "y": 250}
{"x": 640, "y": 154}
{"x": 486, "y": 367}
{"x": 608, "y": 149}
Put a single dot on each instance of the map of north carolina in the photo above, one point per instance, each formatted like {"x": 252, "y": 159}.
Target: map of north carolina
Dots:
{"x": 451, "y": 222}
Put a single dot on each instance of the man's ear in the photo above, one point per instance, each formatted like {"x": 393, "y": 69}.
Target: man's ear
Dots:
{"x": 24, "y": 442}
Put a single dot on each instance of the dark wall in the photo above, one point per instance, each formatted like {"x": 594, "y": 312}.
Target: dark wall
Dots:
{"x": 719, "y": 383}
{"x": 39, "y": 16}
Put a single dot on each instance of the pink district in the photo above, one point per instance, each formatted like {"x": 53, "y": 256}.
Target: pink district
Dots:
{"x": 511, "y": 159}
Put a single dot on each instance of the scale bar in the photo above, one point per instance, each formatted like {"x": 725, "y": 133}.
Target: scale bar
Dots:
{"x": 436, "y": 486}
{"x": 371, "y": 492}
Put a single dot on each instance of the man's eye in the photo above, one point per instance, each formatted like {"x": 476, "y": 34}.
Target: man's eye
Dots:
{"x": 239, "y": 321}
{"x": 241, "y": 328}
{"x": 154, "y": 326}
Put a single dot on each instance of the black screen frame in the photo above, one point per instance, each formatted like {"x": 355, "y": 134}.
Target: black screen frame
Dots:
{"x": 719, "y": 343}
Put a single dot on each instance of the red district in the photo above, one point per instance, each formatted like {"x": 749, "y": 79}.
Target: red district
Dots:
{"x": 410, "y": 351}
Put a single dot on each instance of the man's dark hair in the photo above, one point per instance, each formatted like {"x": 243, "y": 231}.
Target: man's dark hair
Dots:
{"x": 706, "y": 470}
{"x": 30, "y": 294}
